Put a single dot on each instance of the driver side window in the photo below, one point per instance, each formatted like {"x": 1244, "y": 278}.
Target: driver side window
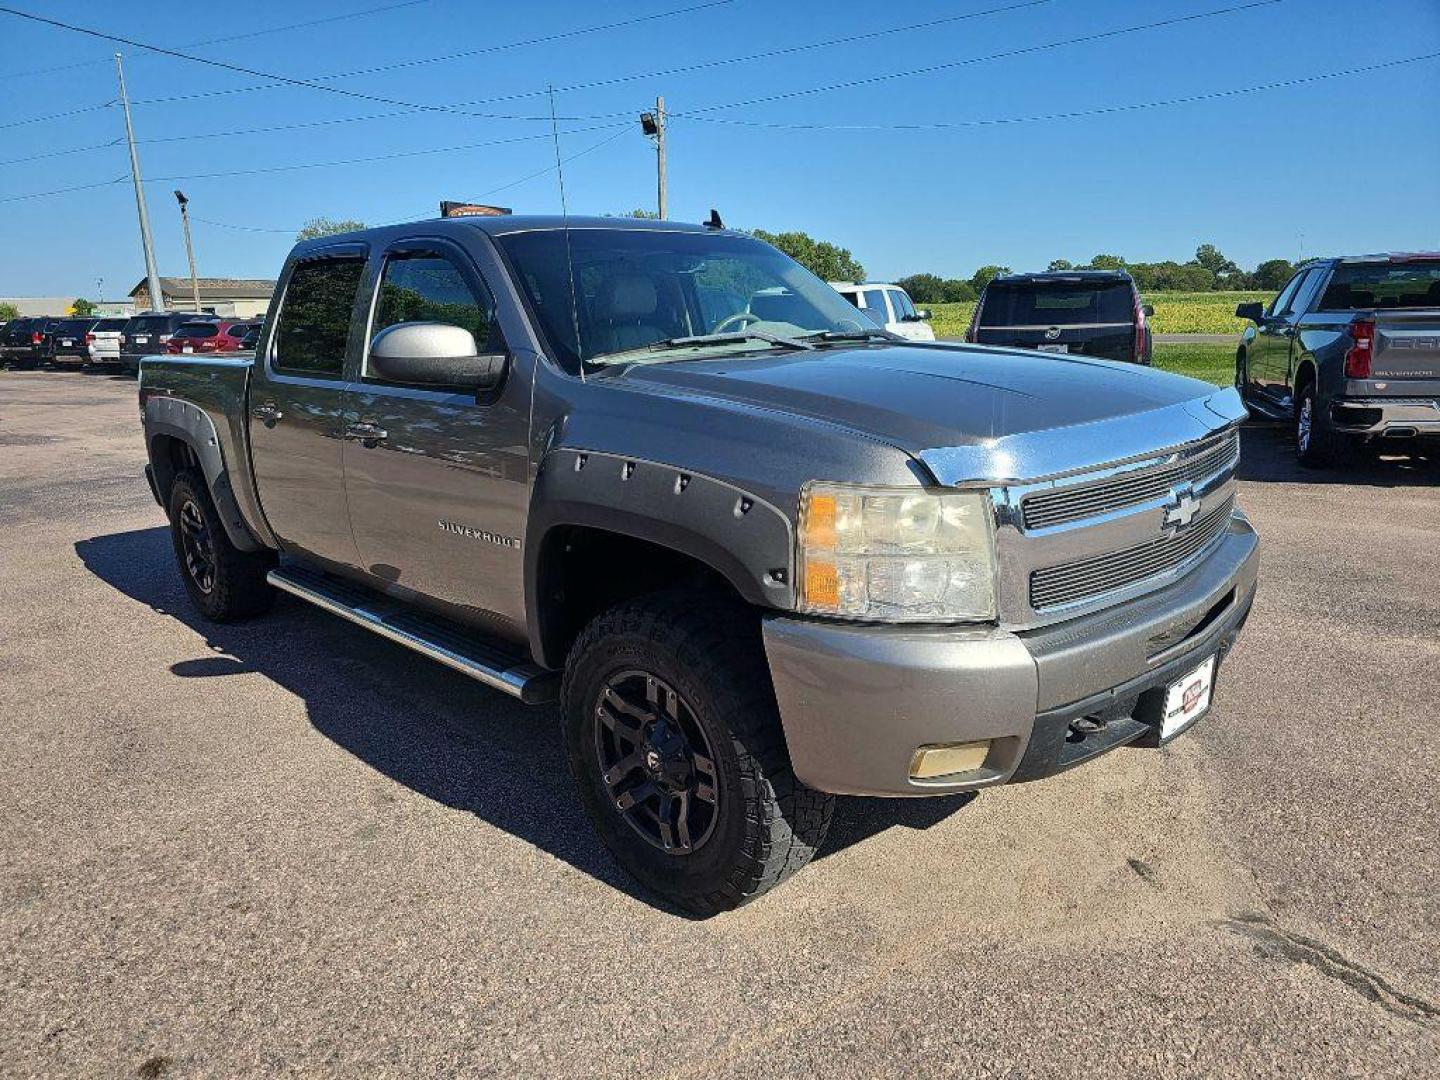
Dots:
{"x": 428, "y": 287}
{"x": 1281, "y": 303}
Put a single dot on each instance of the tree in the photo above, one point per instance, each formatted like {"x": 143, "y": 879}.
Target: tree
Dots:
{"x": 83, "y": 307}
{"x": 1060, "y": 264}
{"x": 8, "y": 312}
{"x": 1106, "y": 262}
{"x": 924, "y": 288}
{"x": 1272, "y": 274}
{"x": 323, "y": 226}
{"x": 958, "y": 292}
{"x": 985, "y": 275}
{"x": 1209, "y": 256}
{"x": 822, "y": 258}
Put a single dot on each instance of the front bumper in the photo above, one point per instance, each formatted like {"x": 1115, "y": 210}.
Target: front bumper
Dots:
{"x": 856, "y": 701}
{"x": 1407, "y": 417}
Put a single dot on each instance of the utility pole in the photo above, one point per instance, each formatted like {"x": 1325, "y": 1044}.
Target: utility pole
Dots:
{"x": 653, "y": 125}
{"x": 152, "y": 276}
{"x": 189, "y": 248}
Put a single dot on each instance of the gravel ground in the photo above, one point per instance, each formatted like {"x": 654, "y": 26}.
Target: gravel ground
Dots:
{"x": 292, "y": 847}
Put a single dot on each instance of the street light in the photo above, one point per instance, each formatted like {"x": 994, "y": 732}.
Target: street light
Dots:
{"x": 653, "y": 126}
{"x": 189, "y": 248}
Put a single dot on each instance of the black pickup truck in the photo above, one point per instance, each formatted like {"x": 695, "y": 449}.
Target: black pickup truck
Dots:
{"x": 1349, "y": 353}
{"x": 762, "y": 551}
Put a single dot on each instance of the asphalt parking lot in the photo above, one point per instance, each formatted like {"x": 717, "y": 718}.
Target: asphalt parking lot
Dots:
{"x": 289, "y": 846}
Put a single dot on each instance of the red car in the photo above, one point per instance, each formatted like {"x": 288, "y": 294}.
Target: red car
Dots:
{"x": 213, "y": 336}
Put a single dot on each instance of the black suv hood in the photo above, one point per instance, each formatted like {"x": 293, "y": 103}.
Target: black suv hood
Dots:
{"x": 919, "y": 398}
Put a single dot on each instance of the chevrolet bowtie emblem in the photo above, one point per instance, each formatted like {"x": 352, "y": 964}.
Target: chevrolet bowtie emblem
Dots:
{"x": 1181, "y": 510}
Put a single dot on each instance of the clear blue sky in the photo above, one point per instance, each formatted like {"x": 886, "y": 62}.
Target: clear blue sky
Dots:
{"x": 1344, "y": 165}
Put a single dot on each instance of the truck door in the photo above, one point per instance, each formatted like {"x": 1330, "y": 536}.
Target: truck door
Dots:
{"x": 297, "y": 392}
{"x": 1268, "y": 358}
{"x": 437, "y": 479}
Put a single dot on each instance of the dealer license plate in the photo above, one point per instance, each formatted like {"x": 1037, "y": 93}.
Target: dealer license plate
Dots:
{"x": 1053, "y": 348}
{"x": 1187, "y": 699}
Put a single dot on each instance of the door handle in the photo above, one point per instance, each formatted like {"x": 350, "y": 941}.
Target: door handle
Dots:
{"x": 367, "y": 433}
{"x": 268, "y": 412}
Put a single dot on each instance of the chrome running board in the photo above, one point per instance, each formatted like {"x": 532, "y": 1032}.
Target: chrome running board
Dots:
{"x": 494, "y": 665}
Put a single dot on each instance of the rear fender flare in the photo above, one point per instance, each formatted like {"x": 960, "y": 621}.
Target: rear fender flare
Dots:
{"x": 191, "y": 425}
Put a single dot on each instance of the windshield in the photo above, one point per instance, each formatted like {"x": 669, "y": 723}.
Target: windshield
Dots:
{"x": 634, "y": 289}
{"x": 1034, "y": 303}
{"x": 1384, "y": 285}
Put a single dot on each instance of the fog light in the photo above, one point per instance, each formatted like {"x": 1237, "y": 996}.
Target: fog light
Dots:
{"x": 943, "y": 759}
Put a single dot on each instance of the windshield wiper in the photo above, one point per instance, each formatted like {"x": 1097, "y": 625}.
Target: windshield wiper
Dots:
{"x": 848, "y": 335}
{"x": 736, "y": 337}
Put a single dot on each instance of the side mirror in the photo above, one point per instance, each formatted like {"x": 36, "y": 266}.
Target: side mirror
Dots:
{"x": 1148, "y": 310}
{"x": 1253, "y": 311}
{"x": 923, "y": 314}
{"x": 434, "y": 354}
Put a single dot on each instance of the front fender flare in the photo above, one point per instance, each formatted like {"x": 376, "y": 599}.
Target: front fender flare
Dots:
{"x": 745, "y": 539}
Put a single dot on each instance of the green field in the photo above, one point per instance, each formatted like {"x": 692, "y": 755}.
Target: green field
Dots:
{"x": 1213, "y": 363}
{"x": 1175, "y": 313}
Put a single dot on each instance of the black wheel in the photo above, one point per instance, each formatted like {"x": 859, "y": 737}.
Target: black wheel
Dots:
{"x": 1317, "y": 444}
{"x": 224, "y": 583}
{"x": 674, "y": 740}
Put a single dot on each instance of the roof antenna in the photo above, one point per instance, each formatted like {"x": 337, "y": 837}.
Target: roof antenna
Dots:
{"x": 565, "y": 219}
{"x": 714, "y": 222}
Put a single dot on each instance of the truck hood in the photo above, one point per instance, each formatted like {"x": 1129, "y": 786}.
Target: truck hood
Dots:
{"x": 969, "y": 413}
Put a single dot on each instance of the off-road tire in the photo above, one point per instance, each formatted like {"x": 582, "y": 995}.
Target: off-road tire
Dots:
{"x": 239, "y": 589}
{"x": 1321, "y": 446}
{"x": 767, "y": 823}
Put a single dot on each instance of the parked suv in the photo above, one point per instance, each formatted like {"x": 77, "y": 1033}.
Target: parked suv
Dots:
{"x": 67, "y": 343}
{"x": 1348, "y": 352}
{"x": 1093, "y": 312}
{"x": 24, "y": 343}
{"x": 209, "y": 336}
{"x": 150, "y": 333}
{"x": 103, "y": 341}
{"x": 890, "y": 307}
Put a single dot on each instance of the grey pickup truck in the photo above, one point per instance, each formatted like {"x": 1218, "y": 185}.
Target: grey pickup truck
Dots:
{"x": 1348, "y": 352}
{"x": 761, "y": 551}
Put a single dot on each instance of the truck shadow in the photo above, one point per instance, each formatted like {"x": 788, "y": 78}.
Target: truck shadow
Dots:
{"x": 420, "y": 724}
{"x": 1267, "y": 456}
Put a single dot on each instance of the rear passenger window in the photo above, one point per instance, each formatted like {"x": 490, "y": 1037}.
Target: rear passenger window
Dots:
{"x": 315, "y": 315}
{"x": 875, "y": 306}
{"x": 425, "y": 287}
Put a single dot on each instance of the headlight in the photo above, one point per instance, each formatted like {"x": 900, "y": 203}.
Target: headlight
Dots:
{"x": 896, "y": 554}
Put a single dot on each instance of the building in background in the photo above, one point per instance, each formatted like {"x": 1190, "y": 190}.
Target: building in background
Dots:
{"x": 237, "y": 297}
{"x": 30, "y": 307}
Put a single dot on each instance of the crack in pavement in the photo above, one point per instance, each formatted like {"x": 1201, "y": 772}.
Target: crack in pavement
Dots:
{"x": 1300, "y": 949}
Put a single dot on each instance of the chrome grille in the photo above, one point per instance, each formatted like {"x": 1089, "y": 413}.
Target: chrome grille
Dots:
{"x": 1060, "y": 506}
{"x": 1083, "y": 579}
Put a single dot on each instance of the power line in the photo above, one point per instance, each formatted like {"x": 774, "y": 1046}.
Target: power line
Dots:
{"x": 637, "y": 76}
{"x": 1004, "y": 55}
{"x": 619, "y": 129}
{"x": 493, "y": 191}
{"x": 230, "y": 37}
{"x": 686, "y": 69}
{"x": 284, "y": 79}
{"x": 769, "y": 54}
{"x": 317, "y": 82}
{"x": 61, "y": 153}
{"x": 1103, "y": 110}
{"x": 58, "y": 116}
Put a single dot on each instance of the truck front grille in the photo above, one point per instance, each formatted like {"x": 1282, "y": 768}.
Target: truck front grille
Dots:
{"x": 1083, "y": 579}
{"x": 1043, "y": 509}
